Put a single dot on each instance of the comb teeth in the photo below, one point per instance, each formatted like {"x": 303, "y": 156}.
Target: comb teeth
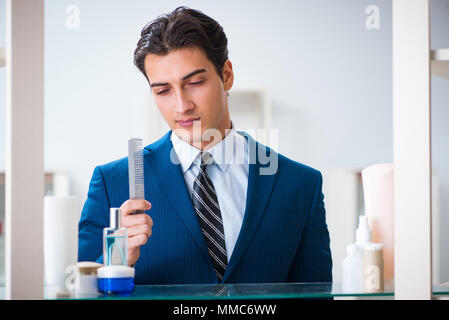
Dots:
{"x": 135, "y": 169}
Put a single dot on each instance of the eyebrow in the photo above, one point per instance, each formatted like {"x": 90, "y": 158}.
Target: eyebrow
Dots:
{"x": 191, "y": 74}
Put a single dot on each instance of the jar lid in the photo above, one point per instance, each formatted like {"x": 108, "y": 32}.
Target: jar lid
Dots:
{"x": 116, "y": 271}
{"x": 88, "y": 267}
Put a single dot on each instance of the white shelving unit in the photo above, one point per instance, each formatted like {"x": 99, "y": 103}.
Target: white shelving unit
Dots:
{"x": 2, "y": 57}
{"x": 250, "y": 111}
{"x": 413, "y": 64}
{"x": 440, "y": 62}
{"x": 250, "y": 108}
{"x": 411, "y": 149}
{"x": 24, "y": 187}
{"x": 439, "y": 67}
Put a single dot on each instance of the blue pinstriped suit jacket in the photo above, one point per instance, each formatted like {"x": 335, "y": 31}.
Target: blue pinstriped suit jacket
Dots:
{"x": 283, "y": 238}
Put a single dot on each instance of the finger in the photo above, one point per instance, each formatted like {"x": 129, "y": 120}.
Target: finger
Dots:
{"x": 136, "y": 219}
{"x": 131, "y": 205}
{"x": 137, "y": 240}
{"x": 133, "y": 255}
{"x": 139, "y": 229}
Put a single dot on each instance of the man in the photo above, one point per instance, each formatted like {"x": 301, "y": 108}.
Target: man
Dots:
{"x": 209, "y": 218}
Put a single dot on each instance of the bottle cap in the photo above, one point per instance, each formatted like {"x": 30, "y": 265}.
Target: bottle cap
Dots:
{"x": 114, "y": 218}
{"x": 373, "y": 247}
{"x": 363, "y": 233}
{"x": 116, "y": 271}
{"x": 373, "y": 251}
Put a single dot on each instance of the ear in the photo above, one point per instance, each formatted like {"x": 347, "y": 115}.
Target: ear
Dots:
{"x": 228, "y": 75}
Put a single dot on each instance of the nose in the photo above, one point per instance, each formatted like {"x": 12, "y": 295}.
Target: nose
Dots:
{"x": 183, "y": 102}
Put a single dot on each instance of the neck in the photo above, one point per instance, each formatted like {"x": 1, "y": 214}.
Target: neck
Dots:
{"x": 223, "y": 131}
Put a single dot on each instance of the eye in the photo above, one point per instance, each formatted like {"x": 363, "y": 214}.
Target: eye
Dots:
{"x": 196, "y": 82}
{"x": 161, "y": 92}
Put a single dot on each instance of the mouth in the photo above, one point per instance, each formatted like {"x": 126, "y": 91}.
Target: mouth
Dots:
{"x": 187, "y": 122}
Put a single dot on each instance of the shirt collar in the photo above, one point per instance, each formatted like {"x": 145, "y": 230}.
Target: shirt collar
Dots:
{"x": 223, "y": 153}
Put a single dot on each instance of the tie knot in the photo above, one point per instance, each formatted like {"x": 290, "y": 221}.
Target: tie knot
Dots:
{"x": 206, "y": 159}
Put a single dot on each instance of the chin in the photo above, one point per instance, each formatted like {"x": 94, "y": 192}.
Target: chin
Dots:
{"x": 188, "y": 134}
{"x": 183, "y": 133}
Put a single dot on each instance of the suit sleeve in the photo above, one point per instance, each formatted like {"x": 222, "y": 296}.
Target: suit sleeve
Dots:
{"x": 313, "y": 260}
{"x": 94, "y": 218}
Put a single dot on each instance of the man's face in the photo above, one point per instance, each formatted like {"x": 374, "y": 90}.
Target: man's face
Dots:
{"x": 189, "y": 92}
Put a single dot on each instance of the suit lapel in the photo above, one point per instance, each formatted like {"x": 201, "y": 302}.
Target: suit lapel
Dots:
{"x": 259, "y": 190}
{"x": 172, "y": 182}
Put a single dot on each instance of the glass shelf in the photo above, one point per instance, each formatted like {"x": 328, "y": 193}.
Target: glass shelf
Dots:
{"x": 244, "y": 291}
{"x": 240, "y": 291}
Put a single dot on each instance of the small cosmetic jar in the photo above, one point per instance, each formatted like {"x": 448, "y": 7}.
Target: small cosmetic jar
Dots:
{"x": 87, "y": 281}
{"x": 116, "y": 279}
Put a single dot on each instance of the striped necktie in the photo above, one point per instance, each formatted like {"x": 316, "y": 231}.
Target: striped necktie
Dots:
{"x": 207, "y": 209}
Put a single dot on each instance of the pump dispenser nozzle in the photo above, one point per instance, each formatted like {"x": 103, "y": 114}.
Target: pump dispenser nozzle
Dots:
{"x": 363, "y": 233}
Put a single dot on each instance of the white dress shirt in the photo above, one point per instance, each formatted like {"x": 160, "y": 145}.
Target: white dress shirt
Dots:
{"x": 229, "y": 174}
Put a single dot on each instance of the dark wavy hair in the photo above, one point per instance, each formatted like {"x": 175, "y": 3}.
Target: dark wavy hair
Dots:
{"x": 183, "y": 27}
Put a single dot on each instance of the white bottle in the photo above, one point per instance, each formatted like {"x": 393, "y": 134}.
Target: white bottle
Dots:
{"x": 353, "y": 270}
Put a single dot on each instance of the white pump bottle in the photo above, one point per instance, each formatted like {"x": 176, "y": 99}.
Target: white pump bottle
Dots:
{"x": 353, "y": 263}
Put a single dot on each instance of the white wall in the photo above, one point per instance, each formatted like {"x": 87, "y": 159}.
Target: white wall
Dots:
{"x": 329, "y": 76}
